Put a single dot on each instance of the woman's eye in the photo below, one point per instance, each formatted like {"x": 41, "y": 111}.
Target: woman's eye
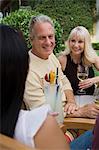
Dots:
{"x": 80, "y": 41}
{"x": 72, "y": 40}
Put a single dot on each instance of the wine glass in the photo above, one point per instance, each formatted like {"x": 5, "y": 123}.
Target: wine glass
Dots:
{"x": 82, "y": 74}
{"x": 96, "y": 94}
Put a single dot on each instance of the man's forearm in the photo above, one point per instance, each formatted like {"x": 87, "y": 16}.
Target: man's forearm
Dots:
{"x": 70, "y": 96}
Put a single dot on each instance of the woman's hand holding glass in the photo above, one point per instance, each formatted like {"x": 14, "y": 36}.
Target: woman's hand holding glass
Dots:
{"x": 86, "y": 83}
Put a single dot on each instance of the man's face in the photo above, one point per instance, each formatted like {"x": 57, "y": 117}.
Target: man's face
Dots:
{"x": 44, "y": 40}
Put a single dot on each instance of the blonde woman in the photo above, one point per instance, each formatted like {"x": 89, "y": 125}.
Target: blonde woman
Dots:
{"x": 79, "y": 51}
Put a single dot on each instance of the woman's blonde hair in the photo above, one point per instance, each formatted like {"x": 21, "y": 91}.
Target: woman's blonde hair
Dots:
{"x": 89, "y": 53}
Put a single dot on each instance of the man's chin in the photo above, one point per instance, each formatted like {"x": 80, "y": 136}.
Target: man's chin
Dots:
{"x": 48, "y": 52}
{"x": 47, "y": 55}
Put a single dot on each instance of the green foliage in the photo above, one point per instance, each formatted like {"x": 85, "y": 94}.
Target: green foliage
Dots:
{"x": 15, "y": 4}
{"x": 95, "y": 46}
{"x": 34, "y": 3}
{"x": 69, "y": 13}
{"x": 20, "y": 20}
{"x": 95, "y": 71}
{"x": 58, "y": 36}
{"x": 97, "y": 52}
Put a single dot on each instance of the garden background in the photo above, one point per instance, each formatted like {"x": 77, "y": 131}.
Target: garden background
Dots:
{"x": 65, "y": 14}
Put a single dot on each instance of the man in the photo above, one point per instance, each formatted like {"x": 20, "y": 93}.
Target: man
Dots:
{"x": 42, "y": 62}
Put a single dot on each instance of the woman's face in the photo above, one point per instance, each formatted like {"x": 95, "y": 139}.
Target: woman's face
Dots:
{"x": 76, "y": 44}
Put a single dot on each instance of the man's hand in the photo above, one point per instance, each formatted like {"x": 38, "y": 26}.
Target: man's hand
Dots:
{"x": 70, "y": 108}
{"x": 87, "y": 111}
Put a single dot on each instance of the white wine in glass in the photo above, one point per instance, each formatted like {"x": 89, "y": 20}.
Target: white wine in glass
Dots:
{"x": 82, "y": 74}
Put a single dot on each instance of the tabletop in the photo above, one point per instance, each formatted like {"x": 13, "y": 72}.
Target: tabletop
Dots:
{"x": 78, "y": 123}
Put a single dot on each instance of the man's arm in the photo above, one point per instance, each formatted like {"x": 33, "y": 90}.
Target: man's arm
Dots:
{"x": 33, "y": 95}
{"x": 87, "y": 111}
{"x": 70, "y": 106}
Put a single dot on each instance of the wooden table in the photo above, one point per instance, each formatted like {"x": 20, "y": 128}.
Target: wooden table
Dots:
{"x": 78, "y": 123}
{"x": 7, "y": 143}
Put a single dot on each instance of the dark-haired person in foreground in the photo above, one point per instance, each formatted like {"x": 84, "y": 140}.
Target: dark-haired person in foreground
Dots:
{"x": 35, "y": 128}
{"x": 89, "y": 140}
{"x": 95, "y": 144}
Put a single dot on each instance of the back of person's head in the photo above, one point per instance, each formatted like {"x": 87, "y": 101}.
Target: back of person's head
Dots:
{"x": 14, "y": 68}
{"x": 38, "y": 19}
{"x": 82, "y": 33}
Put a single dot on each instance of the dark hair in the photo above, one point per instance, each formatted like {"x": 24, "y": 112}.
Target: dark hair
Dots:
{"x": 14, "y": 68}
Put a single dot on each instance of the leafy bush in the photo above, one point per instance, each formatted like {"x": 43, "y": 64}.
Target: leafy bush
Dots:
{"x": 95, "y": 71}
{"x": 95, "y": 46}
{"x": 69, "y": 13}
{"x": 20, "y": 20}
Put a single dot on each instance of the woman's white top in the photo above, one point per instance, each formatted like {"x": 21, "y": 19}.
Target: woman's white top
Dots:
{"x": 29, "y": 122}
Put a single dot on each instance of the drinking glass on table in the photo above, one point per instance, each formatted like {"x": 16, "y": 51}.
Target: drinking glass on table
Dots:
{"x": 82, "y": 74}
{"x": 53, "y": 97}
